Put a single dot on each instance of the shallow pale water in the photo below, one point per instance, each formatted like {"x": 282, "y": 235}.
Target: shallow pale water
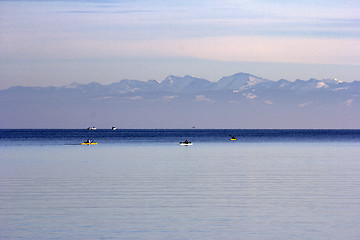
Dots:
{"x": 292, "y": 187}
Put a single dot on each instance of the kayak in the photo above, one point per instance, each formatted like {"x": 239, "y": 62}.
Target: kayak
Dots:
{"x": 185, "y": 143}
{"x": 85, "y": 143}
{"x": 233, "y": 139}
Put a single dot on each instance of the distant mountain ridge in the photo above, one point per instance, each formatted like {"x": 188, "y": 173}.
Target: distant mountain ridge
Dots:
{"x": 241, "y": 100}
{"x": 189, "y": 84}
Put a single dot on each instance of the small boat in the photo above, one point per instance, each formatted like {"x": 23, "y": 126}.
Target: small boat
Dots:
{"x": 85, "y": 143}
{"x": 186, "y": 143}
{"x": 113, "y": 128}
{"x": 232, "y": 138}
{"x": 89, "y": 142}
{"x": 91, "y": 128}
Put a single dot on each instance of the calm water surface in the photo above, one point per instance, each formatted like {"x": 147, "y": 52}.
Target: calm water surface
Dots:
{"x": 143, "y": 185}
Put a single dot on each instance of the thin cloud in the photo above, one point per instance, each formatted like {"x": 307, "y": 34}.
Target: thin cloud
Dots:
{"x": 272, "y": 49}
{"x": 202, "y": 98}
{"x": 250, "y": 96}
{"x": 135, "y": 98}
{"x": 169, "y": 98}
{"x": 232, "y": 49}
{"x": 349, "y": 102}
{"x": 305, "y": 104}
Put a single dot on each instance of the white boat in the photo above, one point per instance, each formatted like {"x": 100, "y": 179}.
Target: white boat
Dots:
{"x": 113, "y": 128}
{"x": 186, "y": 143}
{"x": 91, "y": 128}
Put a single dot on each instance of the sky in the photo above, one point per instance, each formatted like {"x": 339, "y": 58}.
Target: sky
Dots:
{"x": 55, "y": 43}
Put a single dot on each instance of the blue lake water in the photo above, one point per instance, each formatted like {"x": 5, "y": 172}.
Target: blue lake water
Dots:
{"x": 140, "y": 184}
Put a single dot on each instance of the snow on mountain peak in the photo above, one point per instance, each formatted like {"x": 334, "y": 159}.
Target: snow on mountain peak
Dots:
{"x": 321, "y": 85}
{"x": 239, "y": 81}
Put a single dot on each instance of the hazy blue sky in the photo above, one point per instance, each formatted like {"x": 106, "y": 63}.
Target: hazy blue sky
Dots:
{"x": 46, "y": 43}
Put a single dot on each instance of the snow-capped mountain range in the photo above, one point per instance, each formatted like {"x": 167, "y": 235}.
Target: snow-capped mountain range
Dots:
{"x": 189, "y": 84}
{"x": 179, "y": 102}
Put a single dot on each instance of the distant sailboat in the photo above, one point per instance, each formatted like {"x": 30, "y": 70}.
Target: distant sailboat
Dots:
{"x": 113, "y": 128}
